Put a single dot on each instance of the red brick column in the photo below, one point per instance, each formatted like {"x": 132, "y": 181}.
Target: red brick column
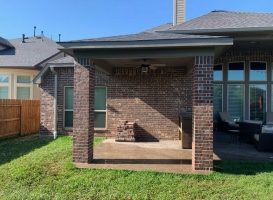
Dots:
{"x": 202, "y": 144}
{"x": 83, "y": 123}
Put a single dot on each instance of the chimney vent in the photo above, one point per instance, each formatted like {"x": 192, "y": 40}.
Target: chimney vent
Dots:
{"x": 34, "y": 30}
{"x": 23, "y": 38}
{"x": 179, "y": 11}
{"x": 59, "y": 37}
{"x": 42, "y": 35}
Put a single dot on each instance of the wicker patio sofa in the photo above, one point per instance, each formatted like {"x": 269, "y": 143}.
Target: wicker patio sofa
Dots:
{"x": 248, "y": 129}
{"x": 264, "y": 141}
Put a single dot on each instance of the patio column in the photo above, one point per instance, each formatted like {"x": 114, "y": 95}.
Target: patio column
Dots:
{"x": 202, "y": 144}
{"x": 83, "y": 122}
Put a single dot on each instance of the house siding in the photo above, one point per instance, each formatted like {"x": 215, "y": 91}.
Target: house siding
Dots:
{"x": 153, "y": 101}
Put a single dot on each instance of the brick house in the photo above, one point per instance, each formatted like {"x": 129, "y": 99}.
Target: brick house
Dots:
{"x": 218, "y": 61}
{"x": 21, "y": 59}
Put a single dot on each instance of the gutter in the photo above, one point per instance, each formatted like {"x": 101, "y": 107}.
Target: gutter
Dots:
{"x": 55, "y": 102}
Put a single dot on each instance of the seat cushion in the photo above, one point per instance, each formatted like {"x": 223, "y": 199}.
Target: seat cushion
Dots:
{"x": 256, "y": 137}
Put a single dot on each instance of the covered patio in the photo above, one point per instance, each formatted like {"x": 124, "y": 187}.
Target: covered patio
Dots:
{"x": 183, "y": 84}
{"x": 167, "y": 155}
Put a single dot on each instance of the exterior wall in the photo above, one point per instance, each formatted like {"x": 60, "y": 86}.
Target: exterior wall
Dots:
{"x": 202, "y": 144}
{"x": 152, "y": 100}
{"x": 35, "y": 92}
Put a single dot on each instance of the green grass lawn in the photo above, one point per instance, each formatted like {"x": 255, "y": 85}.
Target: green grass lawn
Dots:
{"x": 35, "y": 168}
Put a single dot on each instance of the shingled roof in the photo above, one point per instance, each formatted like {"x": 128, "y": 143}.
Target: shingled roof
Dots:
{"x": 33, "y": 52}
{"x": 227, "y": 19}
{"x": 149, "y": 34}
{"x": 4, "y": 42}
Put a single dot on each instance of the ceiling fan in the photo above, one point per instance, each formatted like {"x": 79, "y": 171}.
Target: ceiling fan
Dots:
{"x": 145, "y": 66}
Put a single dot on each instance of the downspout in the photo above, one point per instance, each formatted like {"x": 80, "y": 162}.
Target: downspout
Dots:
{"x": 55, "y": 102}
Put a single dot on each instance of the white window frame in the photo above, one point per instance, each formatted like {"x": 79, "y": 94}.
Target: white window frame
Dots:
{"x": 7, "y": 84}
{"x": 250, "y": 70}
{"x": 244, "y": 73}
{"x": 16, "y": 85}
{"x": 243, "y": 96}
{"x": 102, "y": 110}
{"x": 66, "y": 109}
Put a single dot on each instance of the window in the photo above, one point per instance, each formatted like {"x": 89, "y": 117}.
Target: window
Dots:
{"x": 100, "y": 107}
{"x": 257, "y": 105}
{"x": 4, "y": 86}
{"x": 217, "y": 101}
{"x": 236, "y": 101}
{"x": 68, "y": 106}
{"x": 23, "y": 87}
{"x": 218, "y": 73}
{"x": 257, "y": 71}
{"x": 99, "y": 111}
{"x": 236, "y": 71}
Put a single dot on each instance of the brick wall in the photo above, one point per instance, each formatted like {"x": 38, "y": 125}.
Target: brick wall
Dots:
{"x": 152, "y": 100}
{"x": 202, "y": 146}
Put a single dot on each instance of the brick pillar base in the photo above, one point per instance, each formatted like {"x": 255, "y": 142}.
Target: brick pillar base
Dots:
{"x": 202, "y": 146}
{"x": 83, "y": 123}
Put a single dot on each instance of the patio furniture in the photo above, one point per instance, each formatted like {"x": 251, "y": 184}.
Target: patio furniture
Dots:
{"x": 225, "y": 122}
{"x": 234, "y": 136}
{"x": 248, "y": 128}
{"x": 269, "y": 118}
{"x": 264, "y": 141}
{"x": 185, "y": 127}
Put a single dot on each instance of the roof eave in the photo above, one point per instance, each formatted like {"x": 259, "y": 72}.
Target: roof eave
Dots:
{"x": 68, "y": 47}
{"x": 39, "y": 77}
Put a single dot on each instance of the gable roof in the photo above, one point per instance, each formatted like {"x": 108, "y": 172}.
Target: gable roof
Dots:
{"x": 67, "y": 61}
{"x": 225, "y": 20}
{"x": 30, "y": 54}
{"x": 4, "y": 42}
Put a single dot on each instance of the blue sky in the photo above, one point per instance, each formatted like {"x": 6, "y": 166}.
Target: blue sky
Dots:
{"x": 98, "y": 18}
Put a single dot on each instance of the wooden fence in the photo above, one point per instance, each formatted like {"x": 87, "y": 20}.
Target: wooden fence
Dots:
{"x": 19, "y": 117}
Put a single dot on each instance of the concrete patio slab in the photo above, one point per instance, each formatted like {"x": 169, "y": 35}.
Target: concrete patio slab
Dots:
{"x": 167, "y": 155}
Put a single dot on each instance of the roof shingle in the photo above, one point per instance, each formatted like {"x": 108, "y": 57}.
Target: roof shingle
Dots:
{"x": 29, "y": 54}
{"x": 227, "y": 19}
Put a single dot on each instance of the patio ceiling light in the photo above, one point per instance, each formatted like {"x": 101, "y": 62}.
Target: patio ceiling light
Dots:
{"x": 144, "y": 68}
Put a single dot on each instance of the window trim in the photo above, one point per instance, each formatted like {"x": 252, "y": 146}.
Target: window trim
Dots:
{"x": 16, "y": 85}
{"x": 265, "y": 71}
{"x": 7, "y": 84}
{"x": 102, "y": 110}
{"x": 244, "y": 72}
{"x": 64, "y": 110}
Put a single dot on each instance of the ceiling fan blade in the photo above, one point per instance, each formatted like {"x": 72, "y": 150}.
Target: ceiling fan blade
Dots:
{"x": 152, "y": 67}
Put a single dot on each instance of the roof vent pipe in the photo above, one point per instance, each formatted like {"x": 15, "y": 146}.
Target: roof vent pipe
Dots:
{"x": 179, "y": 11}
{"x": 59, "y": 37}
{"x": 34, "y": 30}
{"x": 42, "y": 35}
{"x": 23, "y": 38}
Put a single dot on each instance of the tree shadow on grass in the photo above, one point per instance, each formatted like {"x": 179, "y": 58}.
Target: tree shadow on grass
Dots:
{"x": 13, "y": 148}
{"x": 242, "y": 167}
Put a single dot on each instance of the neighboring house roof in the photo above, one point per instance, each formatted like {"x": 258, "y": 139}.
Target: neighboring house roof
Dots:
{"x": 32, "y": 53}
{"x": 225, "y": 21}
{"x": 4, "y": 42}
{"x": 67, "y": 61}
